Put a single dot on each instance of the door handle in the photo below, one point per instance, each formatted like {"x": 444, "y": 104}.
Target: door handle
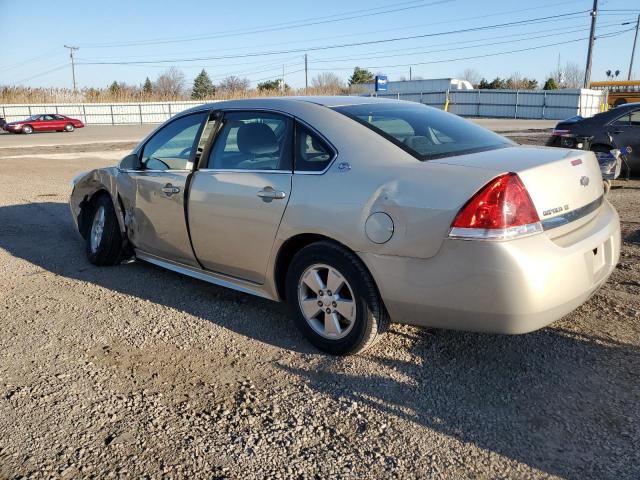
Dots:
{"x": 169, "y": 190}
{"x": 270, "y": 193}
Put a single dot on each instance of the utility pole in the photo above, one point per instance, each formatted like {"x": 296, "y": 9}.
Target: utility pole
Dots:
{"x": 73, "y": 65}
{"x": 633, "y": 50}
{"x": 592, "y": 38}
{"x": 409, "y": 73}
{"x": 306, "y": 78}
{"x": 282, "y": 86}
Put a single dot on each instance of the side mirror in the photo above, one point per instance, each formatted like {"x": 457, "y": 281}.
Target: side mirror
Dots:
{"x": 131, "y": 162}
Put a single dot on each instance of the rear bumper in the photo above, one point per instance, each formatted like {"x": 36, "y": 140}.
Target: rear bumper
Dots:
{"x": 501, "y": 287}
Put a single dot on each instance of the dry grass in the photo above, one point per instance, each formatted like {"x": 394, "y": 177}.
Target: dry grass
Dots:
{"x": 28, "y": 95}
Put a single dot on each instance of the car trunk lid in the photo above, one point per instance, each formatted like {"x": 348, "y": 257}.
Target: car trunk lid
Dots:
{"x": 564, "y": 185}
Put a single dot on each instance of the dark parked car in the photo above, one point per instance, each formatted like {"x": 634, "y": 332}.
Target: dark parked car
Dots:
{"x": 623, "y": 123}
{"x": 44, "y": 123}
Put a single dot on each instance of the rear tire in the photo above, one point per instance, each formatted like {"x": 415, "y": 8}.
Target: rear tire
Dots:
{"x": 69, "y": 127}
{"x": 27, "y": 129}
{"x": 103, "y": 237}
{"x": 343, "y": 321}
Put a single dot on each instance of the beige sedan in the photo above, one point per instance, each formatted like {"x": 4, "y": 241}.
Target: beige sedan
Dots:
{"x": 358, "y": 212}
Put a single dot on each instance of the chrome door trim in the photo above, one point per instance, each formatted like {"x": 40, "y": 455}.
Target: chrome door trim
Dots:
{"x": 240, "y": 170}
{"x": 125, "y": 170}
{"x": 206, "y": 276}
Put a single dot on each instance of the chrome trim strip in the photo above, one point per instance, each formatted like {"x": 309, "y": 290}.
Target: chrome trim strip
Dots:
{"x": 240, "y": 170}
{"x": 495, "y": 234}
{"x": 211, "y": 277}
{"x": 573, "y": 215}
{"x": 127, "y": 170}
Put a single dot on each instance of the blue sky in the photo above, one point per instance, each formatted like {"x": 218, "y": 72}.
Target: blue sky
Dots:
{"x": 141, "y": 31}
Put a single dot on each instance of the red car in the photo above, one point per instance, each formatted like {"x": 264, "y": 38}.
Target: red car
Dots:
{"x": 44, "y": 123}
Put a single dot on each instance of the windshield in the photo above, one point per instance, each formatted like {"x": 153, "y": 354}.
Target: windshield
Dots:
{"x": 424, "y": 132}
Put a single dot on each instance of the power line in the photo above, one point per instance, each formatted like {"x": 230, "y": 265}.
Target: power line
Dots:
{"x": 271, "y": 28}
{"x": 402, "y": 53}
{"x": 40, "y": 74}
{"x": 354, "y": 44}
{"x": 359, "y": 34}
{"x": 46, "y": 54}
{"x": 474, "y": 57}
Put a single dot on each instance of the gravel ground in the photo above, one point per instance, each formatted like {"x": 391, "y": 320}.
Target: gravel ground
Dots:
{"x": 136, "y": 371}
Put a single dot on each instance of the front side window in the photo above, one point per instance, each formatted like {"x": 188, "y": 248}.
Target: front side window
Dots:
{"x": 253, "y": 141}
{"x": 635, "y": 118}
{"x": 170, "y": 148}
{"x": 312, "y": 154}
{"x": 424, "y": 132}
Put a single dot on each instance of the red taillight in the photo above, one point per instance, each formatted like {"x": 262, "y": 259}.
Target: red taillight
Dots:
{"x": 502, "y": 209}
{"x": 560, "y": 132}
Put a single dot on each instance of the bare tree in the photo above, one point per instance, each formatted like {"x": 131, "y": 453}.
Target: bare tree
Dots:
{"x": 570, "y": 75}
{"x": 170, "y": 83}
{"x": 233, "y": 84}
{"x": 470, "y": 75}
{"x": 327, "y": 80}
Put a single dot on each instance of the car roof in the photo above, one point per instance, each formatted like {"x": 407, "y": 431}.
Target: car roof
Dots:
{"x": 281, "y": 102}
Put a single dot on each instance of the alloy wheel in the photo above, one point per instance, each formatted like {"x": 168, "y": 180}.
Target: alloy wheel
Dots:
{"x": 97, "y": 227}
{"x": 327, "y": 301}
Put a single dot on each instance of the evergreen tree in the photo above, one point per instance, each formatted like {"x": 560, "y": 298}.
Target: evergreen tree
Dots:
{"x": 114, "y": 89}
{"x": 203, "y": 88}
{"x": 360, "y": 75}
{"x": 550, "y": 84}
{"x": 147, "y": 88}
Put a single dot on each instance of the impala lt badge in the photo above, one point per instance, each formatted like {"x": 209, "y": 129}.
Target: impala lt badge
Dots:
{"x": 584, "y": 181}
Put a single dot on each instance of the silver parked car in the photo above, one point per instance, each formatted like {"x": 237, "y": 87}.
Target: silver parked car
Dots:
{"x": 358, "y": 211}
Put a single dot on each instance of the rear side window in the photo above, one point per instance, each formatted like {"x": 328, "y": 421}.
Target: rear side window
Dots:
{"x": 312, "y": 153}
{"x": 424, "y": 132}
{"x": 623, "y": 121}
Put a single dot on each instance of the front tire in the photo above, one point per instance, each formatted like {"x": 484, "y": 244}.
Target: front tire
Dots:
{"x": 27, "y": 129}
{"x": 335, "y": 301}
{"x": 103, "y": 237}
{"x": 69, "y": 127}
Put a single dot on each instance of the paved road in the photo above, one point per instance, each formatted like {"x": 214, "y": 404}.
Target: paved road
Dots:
{"x": 90, "y": 134}
{"x": 131, "y": 133}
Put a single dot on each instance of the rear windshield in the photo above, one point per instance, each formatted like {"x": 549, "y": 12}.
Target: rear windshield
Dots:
{"x": 424, "y": 132}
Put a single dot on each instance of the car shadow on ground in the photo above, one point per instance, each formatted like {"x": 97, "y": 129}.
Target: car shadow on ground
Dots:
{"x": 558, "y": 401}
